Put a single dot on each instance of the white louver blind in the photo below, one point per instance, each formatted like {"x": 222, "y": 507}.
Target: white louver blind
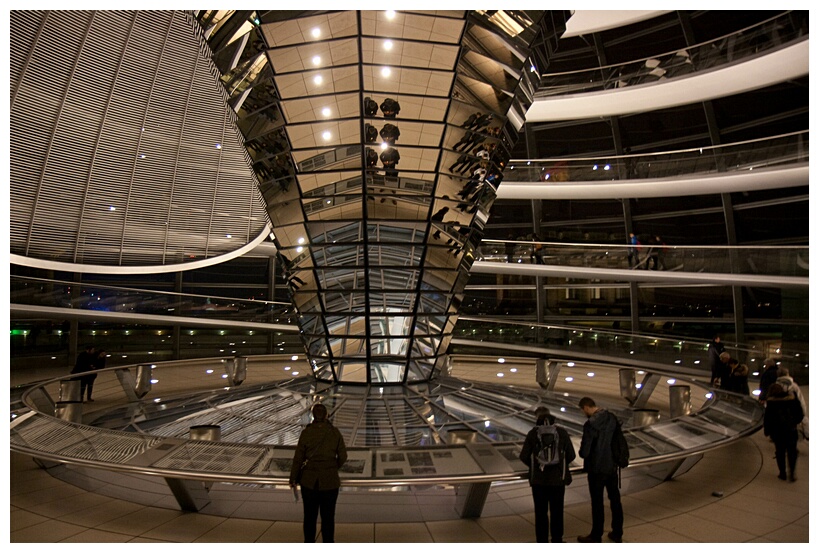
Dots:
{"x": 123, "y": 148}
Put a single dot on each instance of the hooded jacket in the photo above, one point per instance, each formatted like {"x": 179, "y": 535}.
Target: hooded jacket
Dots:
{"x": 792, "y": 388}
{"x": 595, "y": 447}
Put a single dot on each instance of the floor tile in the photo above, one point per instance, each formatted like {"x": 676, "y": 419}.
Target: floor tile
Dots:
{"x": 508, "y": 529}
{"x": 51, "y": 531}
{"x": 402, "y": 532}
{"x": 186, "y": 528}
{"x": 457, "y": 531}
{"x": 20, "y": 518}
{"x": 360, "y": 532}
{"x": 93, "y": 535}
{"x": 235, "y": 530}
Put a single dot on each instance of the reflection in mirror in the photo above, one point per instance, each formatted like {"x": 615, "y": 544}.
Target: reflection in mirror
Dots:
{"x": 320, "y": 108}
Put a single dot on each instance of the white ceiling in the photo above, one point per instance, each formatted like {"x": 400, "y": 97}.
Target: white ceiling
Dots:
{"x": 583, "y": 22}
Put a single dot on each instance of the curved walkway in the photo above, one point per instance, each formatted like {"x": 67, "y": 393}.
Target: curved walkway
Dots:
{"x": 789, "y": 62}
{"x": 755, "y": 507}
{"x": 98, "y": 507}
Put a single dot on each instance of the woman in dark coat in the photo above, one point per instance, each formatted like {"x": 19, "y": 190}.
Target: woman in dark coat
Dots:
{"x": 322, "y": 447}
{"x": 783, "y": 413}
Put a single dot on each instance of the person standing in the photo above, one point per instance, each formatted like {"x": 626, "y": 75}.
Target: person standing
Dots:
{"x": 767, "y": 378}
{"x": 87, "y": 381}
{"x": 548, "y": 480}
{"x": 84, "y": 363}
{"x": 782, "y": 414}
{"x": 784, "y": 379}
{"x": 601, "y": 470}
{"x": 738, "y": 377}
{"x": 319, "y": 454}
{"x": 633, "y": 250}
{"x": 715, "y": 348}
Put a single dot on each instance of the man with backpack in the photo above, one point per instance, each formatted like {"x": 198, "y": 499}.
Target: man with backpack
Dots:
{"x": 602, "y": 452}
{"x": 547, "y": 452}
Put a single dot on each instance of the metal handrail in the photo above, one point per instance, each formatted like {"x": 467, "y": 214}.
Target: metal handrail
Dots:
{"x": 222, "y": 476}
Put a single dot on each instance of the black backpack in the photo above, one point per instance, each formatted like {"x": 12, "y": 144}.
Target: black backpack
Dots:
{"x": 619, "y": 447}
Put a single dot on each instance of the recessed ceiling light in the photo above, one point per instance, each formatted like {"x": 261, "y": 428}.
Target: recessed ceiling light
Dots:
{"x": 325, "y": 112}
{"x": 390, "y": 14}
{"x": 385, "y": 71}
{"x": 316, "y": 60}
{"x": 316, "y": 32}
{"x": 387, "y": 45}
{"x": 317, "y": 79}
{"x": 326, "y": 135}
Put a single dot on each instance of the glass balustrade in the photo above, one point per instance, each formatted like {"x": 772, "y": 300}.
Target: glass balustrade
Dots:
{"x": 95, "y": 297}
{"x": 745, "y": 260}
{"x": 748, "y": 155}
{"x": 768, "y": 35}
{"x": 685, "y": 354}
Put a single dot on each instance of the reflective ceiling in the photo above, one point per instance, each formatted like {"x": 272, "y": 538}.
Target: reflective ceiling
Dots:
{"x": 378, "y": 139}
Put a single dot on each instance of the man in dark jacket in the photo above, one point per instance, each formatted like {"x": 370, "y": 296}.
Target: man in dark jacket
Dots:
{"x": 548, "y": 484}
{"x": 322, "y": 447}
{"x": 601, "y": 470}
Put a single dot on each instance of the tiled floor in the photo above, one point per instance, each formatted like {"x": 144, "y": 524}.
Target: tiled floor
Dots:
{"x": 755, "y": 507}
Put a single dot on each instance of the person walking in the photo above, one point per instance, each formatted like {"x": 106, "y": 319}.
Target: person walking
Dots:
{"x": 319, "y": 454}
{"x": 783, "y": 413}
{"x": 601, "y": 470}
{"x": 547, "y": 452}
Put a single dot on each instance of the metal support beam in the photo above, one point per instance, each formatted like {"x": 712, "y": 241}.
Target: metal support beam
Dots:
{"x": 190, "y": 494}
{"x": 647, "y": 388}
{"x": 471, "y": 499}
